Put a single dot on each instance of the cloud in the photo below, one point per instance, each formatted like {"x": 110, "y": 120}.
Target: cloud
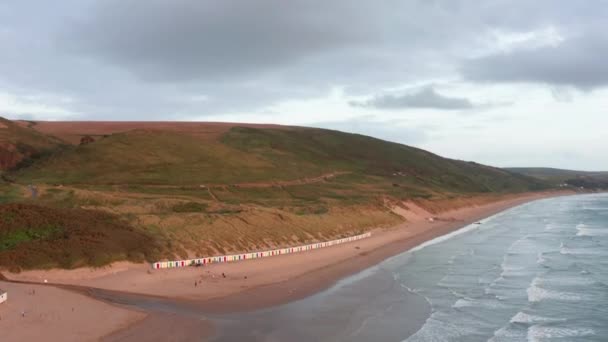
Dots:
{"x": 425, "y": 97}
{"x": 577, "y": 62}
{"x": 185, "y": 40}
{"x": 123, "y": 58}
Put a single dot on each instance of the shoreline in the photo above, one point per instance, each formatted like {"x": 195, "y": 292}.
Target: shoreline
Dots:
{"x": 309, "y": 283}
{"x": 271, "y": 282}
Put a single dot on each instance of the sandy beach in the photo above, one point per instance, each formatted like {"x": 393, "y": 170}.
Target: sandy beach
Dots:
{"x": 46, "y": 313}
{"x": 248, "y": 285}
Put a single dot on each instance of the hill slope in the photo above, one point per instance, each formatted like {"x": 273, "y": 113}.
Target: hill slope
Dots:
{"x": 19, "y": 144}
{"x": 586, "y": 179}
{"x": 205, "y": 189}
{"x": 244, "y": 154}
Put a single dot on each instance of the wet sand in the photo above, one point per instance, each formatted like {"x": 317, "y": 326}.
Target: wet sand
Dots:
{"x": 264, "y": 283}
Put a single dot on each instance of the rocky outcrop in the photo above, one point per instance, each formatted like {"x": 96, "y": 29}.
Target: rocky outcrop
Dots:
{"x": 87, "y": 139}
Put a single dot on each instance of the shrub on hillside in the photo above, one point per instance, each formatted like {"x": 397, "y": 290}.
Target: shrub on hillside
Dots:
{"x": 33, "y": 236}
{"x": 189, "y": 207}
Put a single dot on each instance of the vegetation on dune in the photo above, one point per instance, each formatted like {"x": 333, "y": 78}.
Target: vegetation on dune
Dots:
{"x": 32, "y": 236}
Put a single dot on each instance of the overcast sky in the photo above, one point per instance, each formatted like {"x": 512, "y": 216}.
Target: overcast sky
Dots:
{"x": 501, "y": 82}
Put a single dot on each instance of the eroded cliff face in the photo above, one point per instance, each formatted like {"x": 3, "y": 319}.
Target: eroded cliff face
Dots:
{"x": 19, "y": 144}
{"x": 10, "y": 157}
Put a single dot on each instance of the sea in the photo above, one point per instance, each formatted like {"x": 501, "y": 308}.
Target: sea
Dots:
{"x": 536, "y": 272}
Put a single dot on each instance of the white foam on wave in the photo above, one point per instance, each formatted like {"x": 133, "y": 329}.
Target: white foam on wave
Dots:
{"x": 540, "y": 259}
{"x": 540, "y": 333}
{"x": 477, "y": 303}
{"x": 445, "y": 237}
{"x": 462, "y": 303}
{"x": 440, "y": 327}
{"x": 536, "y": 293}
{"x": 417, "y": 292}
{"x": 507, "y": 334}
{"x": 512, "y": 333}
{"x": 523, "y": 246}
{"x": 524, "y": 318}
{"x": 510, "y": 270}
{"x": 579, "y": 251}
{"x": 595, "y": 208}
{"x": 569, "y": 281}
{"x": 584, "y": 230}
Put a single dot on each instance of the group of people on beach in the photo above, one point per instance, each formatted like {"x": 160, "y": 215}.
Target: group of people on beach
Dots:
{"x": 200, "y": 281}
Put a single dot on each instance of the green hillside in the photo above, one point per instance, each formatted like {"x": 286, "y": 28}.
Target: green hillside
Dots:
{"x": 586, "y": 179}
{"x": 245, "y": 155}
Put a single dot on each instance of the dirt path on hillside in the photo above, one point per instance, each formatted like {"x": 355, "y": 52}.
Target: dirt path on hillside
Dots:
{"x": 301, "y": 181}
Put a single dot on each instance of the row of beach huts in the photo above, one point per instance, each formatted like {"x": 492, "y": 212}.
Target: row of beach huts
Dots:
{"x": 254, "y": 255}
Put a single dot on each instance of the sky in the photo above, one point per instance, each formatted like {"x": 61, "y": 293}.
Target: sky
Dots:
{"x": 500, "y": 82}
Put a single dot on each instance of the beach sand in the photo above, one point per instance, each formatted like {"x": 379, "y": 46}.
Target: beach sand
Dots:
{"x": 46, "y": 313}
{"x": 261, "y": 283}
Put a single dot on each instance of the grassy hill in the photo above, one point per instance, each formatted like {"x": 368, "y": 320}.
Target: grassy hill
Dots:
{"x": 219, "y": 188}
{"x": 20, "y": 145}
{"x": 586, "y": 179}
{"x": 243, "y": 155}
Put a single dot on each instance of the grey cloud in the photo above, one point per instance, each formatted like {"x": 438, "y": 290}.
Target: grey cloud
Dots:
{"x": 121, "y": 59}
{"x": 579, "y": 62}
{"x": 197, "y": 40}
{"x": 425, "y": 97}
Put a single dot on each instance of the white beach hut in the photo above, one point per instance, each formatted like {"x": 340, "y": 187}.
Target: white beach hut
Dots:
{"x": 3, "y": 296}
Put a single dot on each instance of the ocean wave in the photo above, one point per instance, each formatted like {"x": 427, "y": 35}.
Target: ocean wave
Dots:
{"x": 510, "y": 270}
{"x": 525, "y": 245}
{"x": 536, "y": 293}
{"x": 540, "y": 332}
{"x": 524, "y": 318}
{"x": 508, "y": 334}
{"x": 540, "y": 259}
{"x": 595, "y": 208}
{"x": 569, "y": 281}
{"x": 580, "y": 251}
{"x": 437, "y": 328}
{"x": 583, "y": 230}
{"x": 478, "y": 303}
{"x": 444, "y": 237}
